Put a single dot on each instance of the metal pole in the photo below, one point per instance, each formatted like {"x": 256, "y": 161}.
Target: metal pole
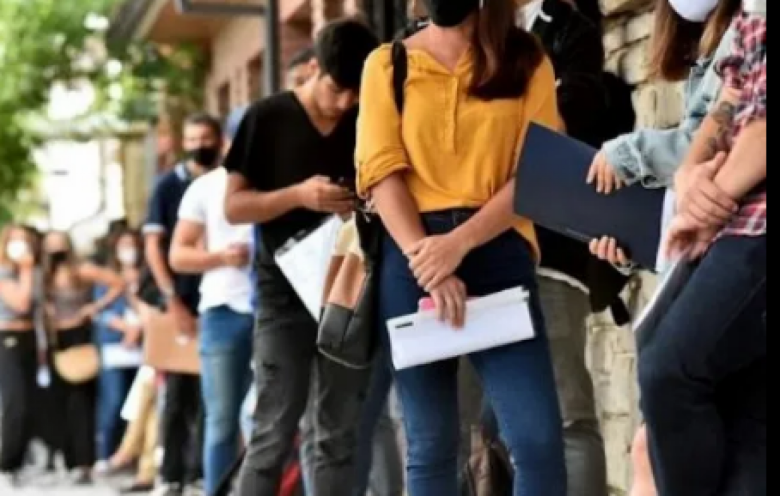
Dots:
{"x": 273, "y": 58}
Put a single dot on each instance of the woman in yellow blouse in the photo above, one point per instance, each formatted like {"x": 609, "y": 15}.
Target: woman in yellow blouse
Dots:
{"x": 442, "y": 177}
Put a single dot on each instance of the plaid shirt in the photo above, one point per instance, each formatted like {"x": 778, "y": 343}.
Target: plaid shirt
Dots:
{"x": 746, "y": 70}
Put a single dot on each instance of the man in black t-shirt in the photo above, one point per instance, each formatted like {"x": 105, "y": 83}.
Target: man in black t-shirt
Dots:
{"x": 290, "y": 166}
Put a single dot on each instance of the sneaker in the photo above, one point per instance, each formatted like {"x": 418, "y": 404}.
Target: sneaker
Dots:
{"x": 168, "y": 490}
{"x": 102, "y": 468}
{"x": 137, "y": 488}
{"x": 8, "y": 482}
{"x": 195, "y": 489}
{"x": 82, "y": 477}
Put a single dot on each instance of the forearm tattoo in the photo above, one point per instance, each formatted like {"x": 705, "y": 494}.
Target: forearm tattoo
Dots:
{"x": 724, "y": 116}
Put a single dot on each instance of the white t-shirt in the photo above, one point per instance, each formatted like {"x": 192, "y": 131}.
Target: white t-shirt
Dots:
{"x": 204, "y": 204}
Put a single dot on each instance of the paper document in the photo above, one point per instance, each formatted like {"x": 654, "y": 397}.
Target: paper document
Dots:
{"x": 117, "y": 356}
{"x": 671, "y": 286}
{"x": 305, "y": 262}
{"x": 497, "y": 320}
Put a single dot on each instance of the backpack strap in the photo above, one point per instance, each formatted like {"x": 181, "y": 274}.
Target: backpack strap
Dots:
{"x": 400, "y": 74}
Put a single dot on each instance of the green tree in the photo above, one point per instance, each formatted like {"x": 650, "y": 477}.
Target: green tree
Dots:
{"x": 43, "y": 42}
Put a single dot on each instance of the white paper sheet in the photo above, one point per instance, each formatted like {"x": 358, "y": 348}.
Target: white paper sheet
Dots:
{"x": 117, "y": 356}
{"x": 491, "y": 322}
{"x": 305, "y": 264}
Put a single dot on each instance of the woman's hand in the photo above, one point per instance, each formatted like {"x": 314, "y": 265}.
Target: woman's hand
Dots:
{"x": 132, "y": 336}
{"x": 89, "y": 312}
{"x": 687, "y": 238}
{"x": 436, "y": 258}
{"x": 603, "y": 175}
{"x": 700, "y": 199}
{"x": 607, "y": 249}
{"x": 450, "y": 298}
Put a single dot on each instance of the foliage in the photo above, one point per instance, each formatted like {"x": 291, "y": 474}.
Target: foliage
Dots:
{"x": 43, "y": 42}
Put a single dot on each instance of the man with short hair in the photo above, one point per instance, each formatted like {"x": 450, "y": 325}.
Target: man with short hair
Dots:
{"x": 205, "y": 243}
{"x": 289, "y": 167}
{"x": 202, "y": 143}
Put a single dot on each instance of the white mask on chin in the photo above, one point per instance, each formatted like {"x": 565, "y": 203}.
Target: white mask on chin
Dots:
{"x": 128, "y": 257}
{"x": 16, "y": 250}
{"x": 694, "y": 10}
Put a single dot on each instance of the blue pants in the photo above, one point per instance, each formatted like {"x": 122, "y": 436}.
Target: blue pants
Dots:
{"x": 226, "y": 353}
{"x": 518, "y": 379}
{"x": 701, "y": 443}
{"x": 114, "y": 385}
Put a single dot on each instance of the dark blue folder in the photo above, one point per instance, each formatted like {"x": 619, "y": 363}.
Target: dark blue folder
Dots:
{"x": 552, "y": 191}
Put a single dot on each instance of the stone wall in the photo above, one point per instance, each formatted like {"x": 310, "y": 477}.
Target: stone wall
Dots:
{"x": 612, "y": 352}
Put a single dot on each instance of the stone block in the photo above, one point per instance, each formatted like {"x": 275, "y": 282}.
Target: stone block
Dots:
{"x": 639, "y": 27}
{"x": 620, "y": 394}
{"x": 615, "y": 38}
{"x": 635, "y": 64}
{"x": 660, "y": 105}
{"x": 618, "y": 436}
{"x": 613, "y": 7}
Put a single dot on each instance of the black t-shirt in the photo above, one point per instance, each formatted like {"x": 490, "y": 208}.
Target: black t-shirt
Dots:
{"x": 278, "y": 146}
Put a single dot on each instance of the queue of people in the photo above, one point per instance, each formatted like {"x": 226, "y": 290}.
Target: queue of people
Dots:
{"x": 435, "y": 155}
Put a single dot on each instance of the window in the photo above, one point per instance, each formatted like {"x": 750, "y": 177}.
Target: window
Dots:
{"x": 254, "y": 76}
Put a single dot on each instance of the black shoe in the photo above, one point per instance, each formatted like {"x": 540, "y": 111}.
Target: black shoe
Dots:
{"x": 137, "y": 488}
{"x": 169, "y": 490}
{"x": 82, "y": 477}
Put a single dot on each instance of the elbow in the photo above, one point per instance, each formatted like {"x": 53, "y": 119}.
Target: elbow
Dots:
{"x": 176, "y": 261}
{"x": 232, "y": 212}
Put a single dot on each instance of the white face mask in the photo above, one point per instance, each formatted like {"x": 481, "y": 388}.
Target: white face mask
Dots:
{"x": 127, "y": 256}
{"x": 17, "y": 250}
{"x": 694, "y": 10}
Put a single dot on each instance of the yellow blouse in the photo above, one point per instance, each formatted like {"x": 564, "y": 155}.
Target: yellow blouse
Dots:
{"x": 456, "y": 151}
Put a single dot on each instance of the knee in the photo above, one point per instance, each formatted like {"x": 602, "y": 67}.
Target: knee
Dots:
{"x": 659, "y": 378}
{"x": 221, "y": 421}
{"x": 434, "y": 449}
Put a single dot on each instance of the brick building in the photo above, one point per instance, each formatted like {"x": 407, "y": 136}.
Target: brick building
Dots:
{"x": 238, "y": 54}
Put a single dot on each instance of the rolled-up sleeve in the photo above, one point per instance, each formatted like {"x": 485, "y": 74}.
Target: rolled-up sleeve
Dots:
{"x": 380, "y": 150}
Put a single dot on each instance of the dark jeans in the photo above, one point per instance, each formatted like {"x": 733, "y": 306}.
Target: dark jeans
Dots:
{"x": 285, "y": 356}
{"x": 78, "y": 406}
{"x": 18, "y": 366}
{"x": 518, "y": 379}
{"x": 714, "y": 333}
{"x": 225, "y": 353}
{"x": 182, "y": 426}
{"x": 114, "y": 386}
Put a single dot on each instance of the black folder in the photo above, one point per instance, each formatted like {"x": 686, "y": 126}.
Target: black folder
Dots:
{"x": 552, "y": 191}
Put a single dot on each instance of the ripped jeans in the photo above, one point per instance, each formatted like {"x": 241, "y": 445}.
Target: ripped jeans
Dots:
{"x": 288, "y": 369}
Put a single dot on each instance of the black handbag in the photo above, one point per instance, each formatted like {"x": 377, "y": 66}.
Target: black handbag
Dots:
{"x": 350, "y": 317}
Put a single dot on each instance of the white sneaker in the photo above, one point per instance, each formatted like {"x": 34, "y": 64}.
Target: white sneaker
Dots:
{"x": 8, "y": 482}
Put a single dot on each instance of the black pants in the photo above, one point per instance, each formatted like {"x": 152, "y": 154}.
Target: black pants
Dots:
{"x": 182, "y": 429}
{"x": 18, "y": 366}
{"x": 76, "y": 407}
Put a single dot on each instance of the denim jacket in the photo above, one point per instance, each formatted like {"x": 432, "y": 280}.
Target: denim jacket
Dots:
{"x": 652, "y": 156}
{"x": 104, "y": 334}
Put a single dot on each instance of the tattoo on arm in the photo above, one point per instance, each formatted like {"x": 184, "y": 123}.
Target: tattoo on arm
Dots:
{"x": 724, "y": 116}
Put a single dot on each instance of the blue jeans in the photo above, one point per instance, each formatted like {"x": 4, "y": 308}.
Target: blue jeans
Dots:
{"x": 226, "y": 353}
{"x": 518, "y": 379}
{"x": 702, "y": 444}
{"x": 114, "y": 386}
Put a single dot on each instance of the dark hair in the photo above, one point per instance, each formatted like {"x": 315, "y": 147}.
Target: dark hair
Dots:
{"x": 342, "y": 48}
{"x": 302, "y": 57}
{"x": 506, "y": 56}
{"x": 204, "y": 119}
{"x": 592, "y": 10}
{"x": 679, "y": 43}
{"x": 113, "y": 244}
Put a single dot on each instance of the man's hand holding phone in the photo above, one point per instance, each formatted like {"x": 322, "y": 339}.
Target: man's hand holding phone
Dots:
{"x": 320, "y": 194}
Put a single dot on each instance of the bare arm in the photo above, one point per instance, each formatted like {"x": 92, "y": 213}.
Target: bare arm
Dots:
{"x": 18, "y": 295}
{"x": 155, "y": 258}
{"x": 103, "y": 277}
{"x": 493, "y": 220}
{"x": 746, "y": 166}
{"x": 398, "y": 211}
{"x": 188, "y": 254}
{"x": 245, "y": 205}
{"x": 714, "y": 131}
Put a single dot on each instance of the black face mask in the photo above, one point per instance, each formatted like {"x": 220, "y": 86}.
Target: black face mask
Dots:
{"x": 205, "y": 156}
{"x": 58, "y": 258}
{"x": 450, "y": 13}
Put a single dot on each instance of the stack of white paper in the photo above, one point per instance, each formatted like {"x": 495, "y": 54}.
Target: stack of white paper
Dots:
{"x": 305, "y": 264}
{"x": 118, "y": 356}
{"x": 498, "y": 320}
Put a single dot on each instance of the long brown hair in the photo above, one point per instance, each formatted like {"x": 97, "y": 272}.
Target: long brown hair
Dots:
{"x": 5, "y": 237}
{"x": 505, "y": 55}
{"x": 113, "y": 245}
{"x": 678, "y": 43}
